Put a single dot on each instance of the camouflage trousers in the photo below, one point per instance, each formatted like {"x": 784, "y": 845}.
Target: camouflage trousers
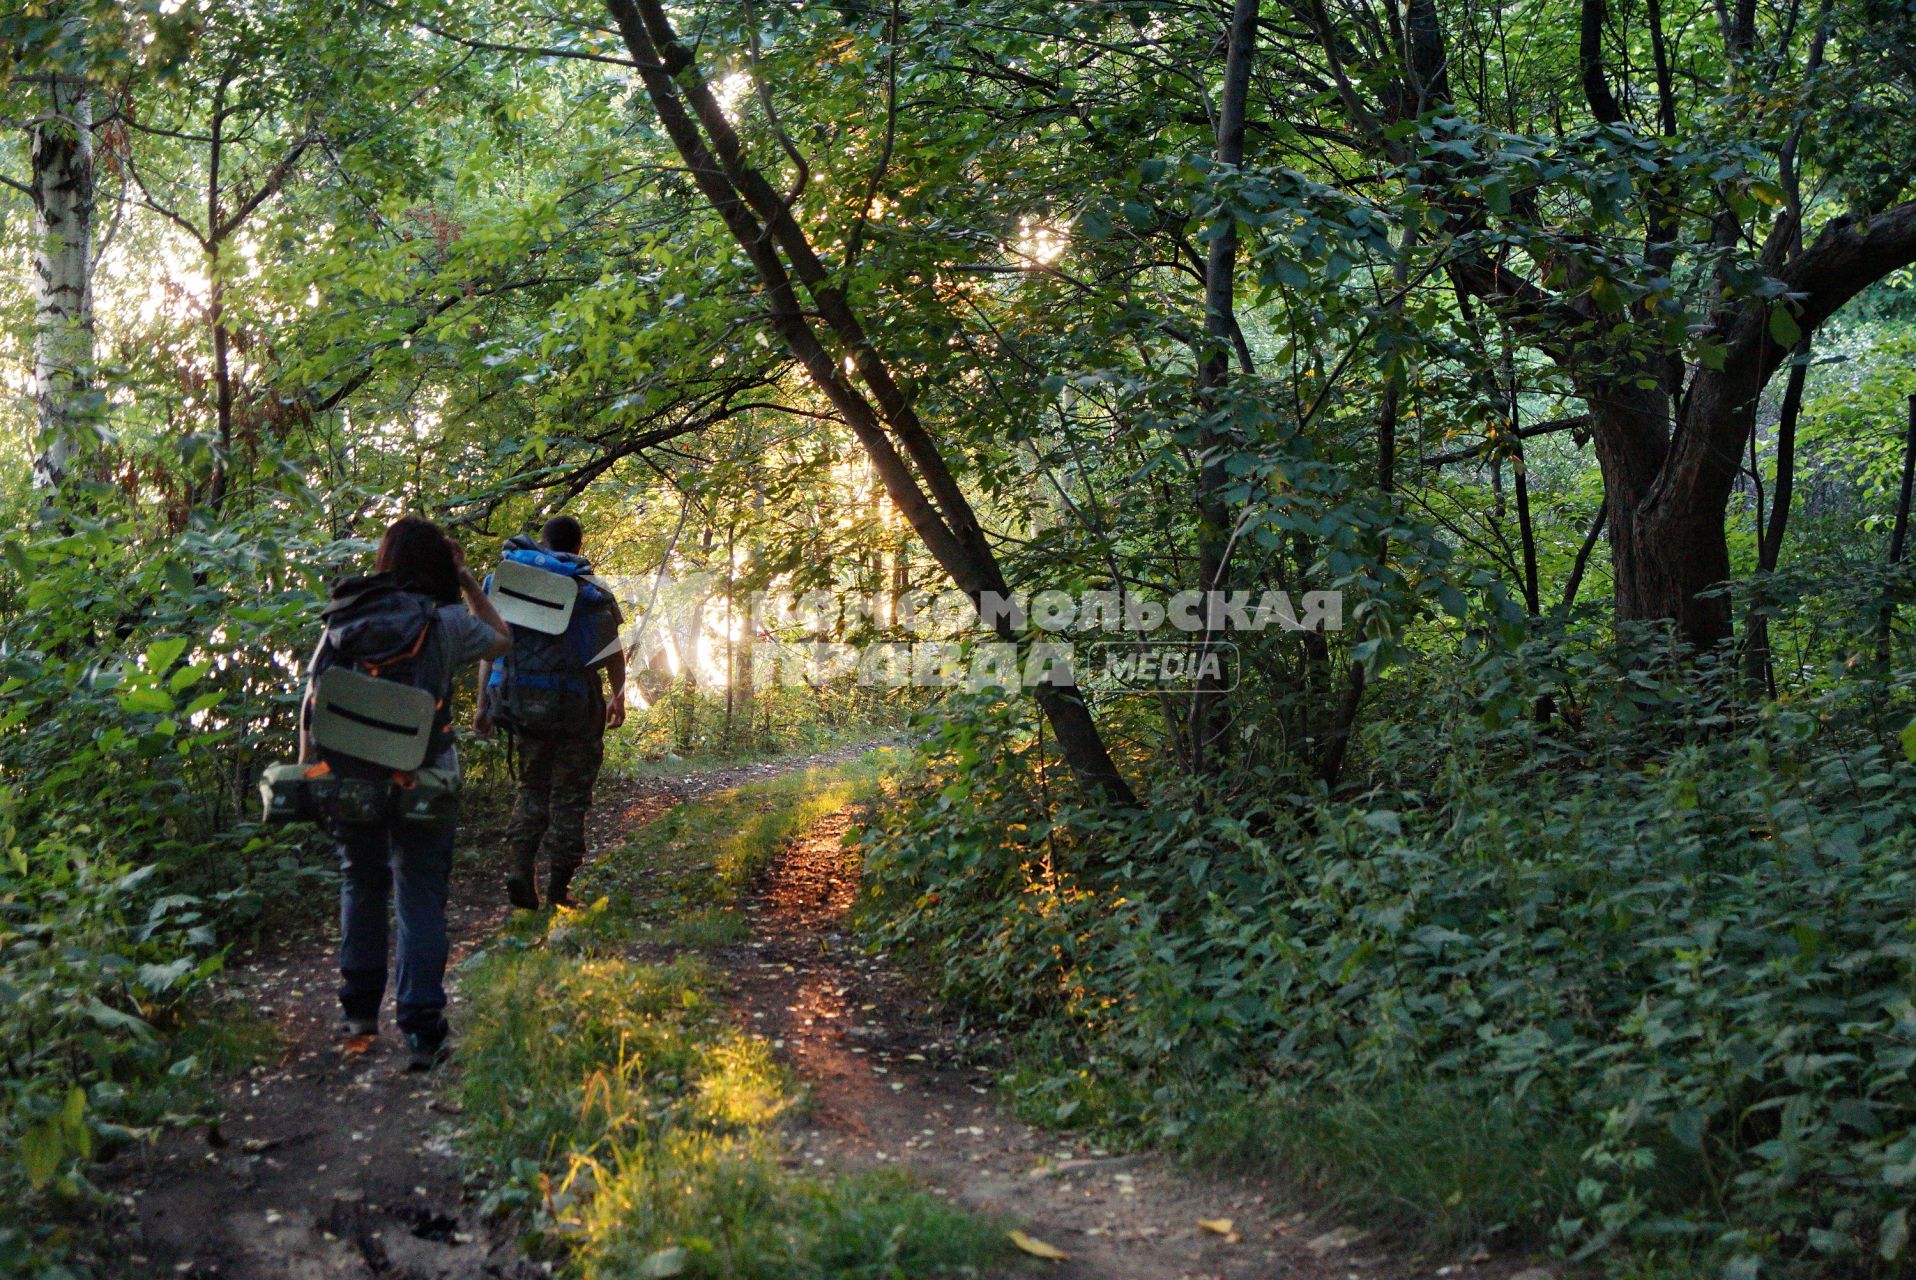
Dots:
{"x": 555, "y": 790}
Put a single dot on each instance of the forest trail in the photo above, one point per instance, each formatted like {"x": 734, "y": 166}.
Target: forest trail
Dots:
{"x": 887, "y": 1089}
{"x": 327, "y": 1167}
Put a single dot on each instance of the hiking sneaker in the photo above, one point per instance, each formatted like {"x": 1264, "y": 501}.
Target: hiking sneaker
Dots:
{"x": 521, "y": 894}
{"x": 426, "y": 1052}
{"x": 357, "y": 1036}
{"x": 557, "y": 885}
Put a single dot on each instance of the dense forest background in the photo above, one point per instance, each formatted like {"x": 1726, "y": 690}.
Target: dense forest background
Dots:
{"x": 1564, "y": 892}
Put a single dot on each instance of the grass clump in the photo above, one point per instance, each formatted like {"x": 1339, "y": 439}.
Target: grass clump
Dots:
{"x": 617, "y": 1106}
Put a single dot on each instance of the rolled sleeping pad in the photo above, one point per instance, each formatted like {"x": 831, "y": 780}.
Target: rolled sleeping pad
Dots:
{"x": 533, "y": 598}
{"x": 380, "y": 721}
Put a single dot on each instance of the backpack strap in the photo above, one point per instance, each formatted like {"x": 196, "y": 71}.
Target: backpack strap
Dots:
{"x": 412, "y": 651}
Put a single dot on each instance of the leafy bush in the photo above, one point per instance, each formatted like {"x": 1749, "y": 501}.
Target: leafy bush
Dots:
{"x": 1667, "y": 970}
{"x": 97, "y": 966}
{"x": 143, "y": 680}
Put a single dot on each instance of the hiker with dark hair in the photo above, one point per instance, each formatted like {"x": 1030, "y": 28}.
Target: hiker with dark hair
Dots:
{"x": 400, "y": 632}
{"x": 547, "y": 694}
{"x": 562, "y": 533}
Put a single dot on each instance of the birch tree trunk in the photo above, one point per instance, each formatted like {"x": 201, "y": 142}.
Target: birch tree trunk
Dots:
{"x": 61, "y": 150}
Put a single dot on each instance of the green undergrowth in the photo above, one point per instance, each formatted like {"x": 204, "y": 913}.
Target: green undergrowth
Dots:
{"x": 617, "y": 1107}
{"x": 110, "y": 1034}
{"x": 1428, "y": 1164}
{"x": 1643, "y": 998}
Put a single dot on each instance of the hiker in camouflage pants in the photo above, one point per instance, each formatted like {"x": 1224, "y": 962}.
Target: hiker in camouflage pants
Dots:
{"x": 555, "y": 790}
{"x": 557, "y": 768}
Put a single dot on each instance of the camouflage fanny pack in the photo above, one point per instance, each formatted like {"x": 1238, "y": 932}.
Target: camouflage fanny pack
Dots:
{"x": 313, "y": 793}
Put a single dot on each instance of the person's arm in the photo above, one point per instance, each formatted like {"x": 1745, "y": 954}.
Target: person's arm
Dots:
{"x": 308, "y": 749}
{"x": 482, "y": 701}
{"x": 308, "y": 752}
{"x": 481, "y": 608}
{"x": 615, "y": 672}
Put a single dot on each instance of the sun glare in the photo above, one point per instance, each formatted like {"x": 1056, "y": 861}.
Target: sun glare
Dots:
{"x": 1041, "y": 241}
{"x": 730, "y": 90}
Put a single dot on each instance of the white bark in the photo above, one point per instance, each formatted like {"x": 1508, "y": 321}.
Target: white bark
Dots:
{"x": 61, "y": 149}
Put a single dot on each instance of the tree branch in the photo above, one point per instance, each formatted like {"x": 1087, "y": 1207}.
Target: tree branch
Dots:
{"x": 1580, "y": 423}
{"x": 488, "y": 46}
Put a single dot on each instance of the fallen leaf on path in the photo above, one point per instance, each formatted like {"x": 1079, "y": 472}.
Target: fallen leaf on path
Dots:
{"x": 1341, "y": 1238}
{"x": 1220, "y": 1227}
{"x": 1037, "y": 1248}
{"x": 355, "y": 1046}
{"x": 664, "y": 1264}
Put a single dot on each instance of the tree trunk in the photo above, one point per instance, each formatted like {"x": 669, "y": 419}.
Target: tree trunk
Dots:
{"x": 1630, "y": 428}
{"x": 61, "y": 152}
{"x": 1676, "y": 553}
{"x": 919, "y": 481}
{"x": 1667, "y": 541}
{"x": 222, "y": 385}
{"x": 1898, "y": 538}
{"x": 1210, "y": 718}
{"x": 1769, "y": 542}
{"x": 1520, "y": 475}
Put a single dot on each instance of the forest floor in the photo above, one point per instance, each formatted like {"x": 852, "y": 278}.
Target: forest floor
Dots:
{"x": 334, "y": 1167}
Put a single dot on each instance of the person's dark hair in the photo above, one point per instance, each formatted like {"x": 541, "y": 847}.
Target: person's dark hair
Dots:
{"x": 562, "y": 533}
{"x": 419, "y": 554}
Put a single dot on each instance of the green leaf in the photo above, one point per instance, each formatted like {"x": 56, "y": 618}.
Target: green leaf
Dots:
{"x": 1783, "y": 326}
{"x": 40, "y": 1152}
{"x": 1894, "y": 1237}
{"x": 73, "y": 1122}
{"x": 18, "y": 559}
{"x": 145, "y": 699}
{"x": 663, "y": 1264}
{"x": 163, "y": 653}
{"x": 164, "y": 977}
{"x": 202, "y": 702}
{"x": 1909, "y": 742}
{"x": 113, "y": 1020}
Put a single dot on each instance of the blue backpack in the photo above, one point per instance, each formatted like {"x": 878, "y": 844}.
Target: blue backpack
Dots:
{"x": 545, "y": 686}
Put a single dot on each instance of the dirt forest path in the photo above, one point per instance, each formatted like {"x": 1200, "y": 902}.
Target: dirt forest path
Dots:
{"x": 325, "y": 1167}
{"x": 888, "y": 1088}
{"x": 333, "y": 1168}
